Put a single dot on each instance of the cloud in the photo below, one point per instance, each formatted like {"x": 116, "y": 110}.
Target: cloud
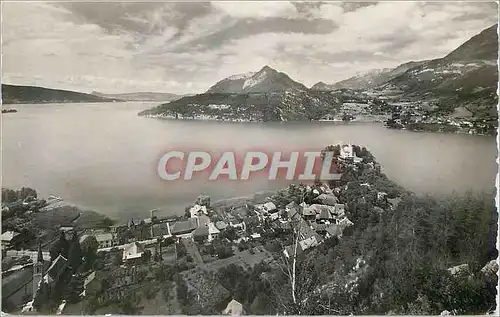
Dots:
{"x": 186, "y": 47}
{"x": 256, "y": 9}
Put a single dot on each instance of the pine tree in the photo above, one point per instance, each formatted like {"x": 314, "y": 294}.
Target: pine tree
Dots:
{"x": 60, "y": 247}
{"x": 75, "y": 254}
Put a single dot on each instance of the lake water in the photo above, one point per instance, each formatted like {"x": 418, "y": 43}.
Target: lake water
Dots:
{"x": 104, "y": 156}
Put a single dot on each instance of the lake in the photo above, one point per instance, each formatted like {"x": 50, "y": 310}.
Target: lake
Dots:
{"x": 104, "y": 157}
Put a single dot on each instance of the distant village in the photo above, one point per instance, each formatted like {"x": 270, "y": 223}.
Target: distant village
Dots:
{"x": 104, "y": 263}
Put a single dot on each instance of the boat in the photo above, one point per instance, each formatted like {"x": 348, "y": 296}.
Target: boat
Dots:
{"x": 9, "y": 110}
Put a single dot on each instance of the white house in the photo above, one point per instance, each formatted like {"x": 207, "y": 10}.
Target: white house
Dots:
{"x": 346, "y": 151}
{"x": 133, "y": 250}
{"x": 7, "y": 238}
{"x": 234, "y": 308}
{"x": 213, "y": 232}
{"x": 268, "y": 207}
{"x": 105, "y": 240}
{"x": 197, "y": 209}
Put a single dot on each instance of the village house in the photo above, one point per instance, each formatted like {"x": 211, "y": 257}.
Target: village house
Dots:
{"x": 239, "y": 226}
{"x": 213, "y": 232}
{"x": 339, "y": 211}
{"x": 134, "y": 223}
{"x": 307, "y": 238}
{"x": 161, "y": 230}
{"x": 7, "y": 238}
{"x": 233, "y": 308}
{"x": 292, "y": 211}
{"x": 221, "y": 225}
{"x": 201, "y": 234}
{"x": 255, "y": 236}
{"x": 269, "y": 207}
{"x": 198, "y": 210}
{"x": 104, "y": 239}
{"x": 333, "y": 230}
{"x": 185, "y": 227}
{"x": 133, "y": 251}
{"x": 203, "y": 221}
{"x": 309, "y": 213}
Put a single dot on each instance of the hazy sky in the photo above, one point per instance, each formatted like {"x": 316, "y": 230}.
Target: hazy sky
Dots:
{"x": 186, "y": 47}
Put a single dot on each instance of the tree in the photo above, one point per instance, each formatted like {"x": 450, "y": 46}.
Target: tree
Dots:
{"x": 146, "y": 255}
{"x": 60, "y": 247}
{"x": 203, "y": 200}
{"x": 9, "y": 196}
{"x": 130, "y": 306}
{"x": 224, "y": 251}
{"x": 107, "y": 222}
{"x": 118, "y": 260}
{"x": 75, "y": 254}
{"x": 181, "y": 250}
{"x": 25, "y": 239}
{"x": 26, "y": 192}
{"x": 229, "y": 233}
{"x": 74, "y": 289}
{"x": 89, "y": 248}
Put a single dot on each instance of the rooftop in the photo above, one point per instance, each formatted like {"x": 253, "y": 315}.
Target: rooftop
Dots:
{"x": 103, "y": 237}
{"x": 57, "y": 266}
{"x": 8, "y": 236}
{"x": 184, "y": 226}
{"x": 221, "y": 225}
{"x": 201, "y": 231}
{"x": 133, "y": 250}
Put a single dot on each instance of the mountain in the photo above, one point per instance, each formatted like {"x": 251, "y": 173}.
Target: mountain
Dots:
{"x": 140, "y": 96}
{"x": 266, "y": 95}
{"x": 264, "y": 81}
{"x": 466, "y": 77}
{"x": 12, "y": 94}
{"x": 290, "y": 105}
{"x": 369, "y": 79}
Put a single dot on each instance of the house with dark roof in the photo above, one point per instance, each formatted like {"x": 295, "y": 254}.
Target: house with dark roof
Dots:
{"x": 319, "y": 227}
{"x": 325, "y": 214}
{"x": 308, "y": 238}
{"x": 56, "y": 269}
{"x": 185, "y": 226}
{"x": 161, "y": 229}
{"x": 201, "y": 233}
{"x": 203, "y": 220}
{"x": 293, "y": 211}
{"x": 309, "y": 213}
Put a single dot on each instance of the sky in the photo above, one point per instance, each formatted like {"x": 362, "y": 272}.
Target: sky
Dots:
{"x": 186, "y": 47}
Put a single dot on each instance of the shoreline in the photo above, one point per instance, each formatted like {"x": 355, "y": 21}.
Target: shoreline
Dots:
{"x": 323, "y": 121}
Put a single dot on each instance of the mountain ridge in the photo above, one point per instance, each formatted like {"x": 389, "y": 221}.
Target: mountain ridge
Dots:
{"x": 367, "y": 80}
{"x": 19, "y": 94}
{"x": 139, "y": 96}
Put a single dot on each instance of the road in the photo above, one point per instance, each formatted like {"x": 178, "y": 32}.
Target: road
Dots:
{"x": 193, "y": 251}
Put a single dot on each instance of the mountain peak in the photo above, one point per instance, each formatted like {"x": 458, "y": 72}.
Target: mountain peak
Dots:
{"x": 267, "y": 68}
{"x": 265, "y": 80}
